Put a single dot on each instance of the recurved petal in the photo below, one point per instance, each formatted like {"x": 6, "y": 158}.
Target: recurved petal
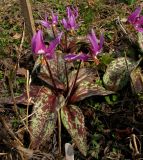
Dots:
{"x": 140, "y": 20}
{"x": 38, "y": 45}
{"x": 45, "y": 23}
{"x": 54, "y": 18}
{"x": 53, "y": 44}
{"x": 134, "y": 15}
{"x": 69, "y": 11}
{"x": 75, "y": 11}
{"x": 93, "y": 40}
{"x": 139, "y": 28}
{"x": 64, "y": 22}
{"x": 72, "y": 22}
{"x": 139, "y": 24}
{"x": 72, "y": 57}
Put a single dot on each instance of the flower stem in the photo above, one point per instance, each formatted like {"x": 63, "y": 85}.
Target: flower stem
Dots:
{"x": 66, "y": 42}
{"x": 59, "y": 131}
{"x": 73, "y": 84}
{"x": 66, "y": 74}
{"x": 53, "y": 81}
{"x": 54, "y": 31}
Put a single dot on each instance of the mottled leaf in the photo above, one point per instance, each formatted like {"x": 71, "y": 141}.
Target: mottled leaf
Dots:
{"x": 137, "y": 80}
{"x": 73, "y": 121}
{"x": 44, "y": 119}
{"x": 56, "y": 65}
{"x": 88, "y": 89}
{"x": 87, "y": 74}
{"x": 117, "y": 73}
{"x": 49, "y": 81}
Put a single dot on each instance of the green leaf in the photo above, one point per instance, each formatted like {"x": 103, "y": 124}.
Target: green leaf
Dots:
{"x": 117, "y": 73}
{"x": 73, "y": 120}
{"x": 88, "y": 89}
{"x": 43, "y": 121}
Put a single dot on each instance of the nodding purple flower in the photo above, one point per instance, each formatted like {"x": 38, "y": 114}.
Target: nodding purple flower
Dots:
{"x": 54, "y": 19}
{"x": 47, "y": 23}
{"x": 96, "y": 45}
{"x": 72, "y": 11}
{"x": 39, "y": 47}
{"x": 70, "y": 23}
{"x": 136, "y": 20}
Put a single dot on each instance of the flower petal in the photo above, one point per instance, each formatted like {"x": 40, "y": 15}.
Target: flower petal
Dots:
{"x": 72, "y": 57}
{"x": 134, "y": 15}
{"x": 54, "y": 19}
{"x": 139, "y": 28}
{"x": 52, "y": 46}
{"x": 64, "y": 22}
{"x": 45, "y": 23}
{"x": 38, "y": 45}
{"x": 93, "y": 40}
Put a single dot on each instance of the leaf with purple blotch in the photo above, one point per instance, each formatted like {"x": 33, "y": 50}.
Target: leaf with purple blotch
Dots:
{"x": 87, "y": 89}
{"x": 73, "y": 120}
{"x": 43, "y": 121}
{"x": 88, "y": 74}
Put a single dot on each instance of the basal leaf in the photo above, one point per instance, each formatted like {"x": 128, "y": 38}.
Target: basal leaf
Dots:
{"x": 57, "y": 68}
{"x": 73, "y": 121}
{"x": 137, "y": 80}
{"x": 56, "y": 65}
{"x": 87, "y": 74}
{"x": 117, "y": 73}
{"x": 87, "y": 89}
{"x": 45, "y": 116}
{"x": 48, "y": 80}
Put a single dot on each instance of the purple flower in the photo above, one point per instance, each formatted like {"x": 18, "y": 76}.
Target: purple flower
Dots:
{"x": 136, "y": 20}
{"x": 96, "y": 45}
{"x": 39, "y": 47}
{"x": 70, "y": 22}
{"x": 54, "y": 19}
{"x": 47, "y": 23}
{"x": 72, "y": 11}
{"x": 52, "y": 46}
{"x": 81, "y": 56}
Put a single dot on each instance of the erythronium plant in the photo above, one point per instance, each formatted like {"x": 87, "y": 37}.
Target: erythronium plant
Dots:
{"x": 52, "y": 22}
{"x": 65, "y": 86}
